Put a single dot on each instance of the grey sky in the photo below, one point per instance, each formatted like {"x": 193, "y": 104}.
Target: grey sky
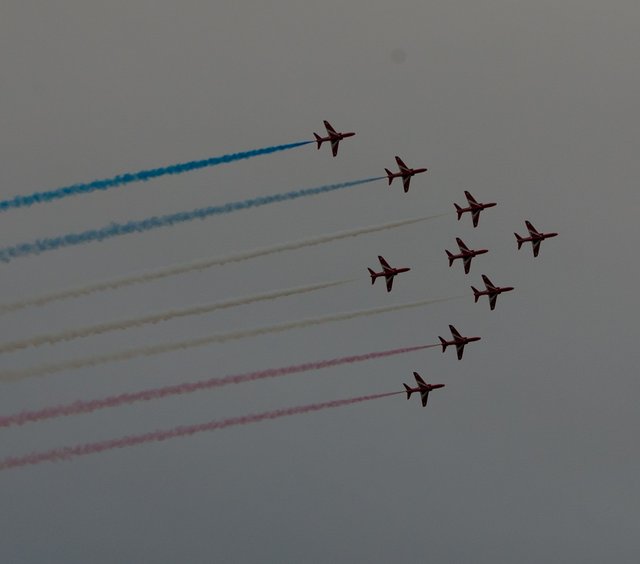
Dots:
{"x": 530, "y": 452}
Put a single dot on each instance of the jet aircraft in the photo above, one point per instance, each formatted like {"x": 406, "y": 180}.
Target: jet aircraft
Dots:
{"x": 405, "y": 173}
{"x": 422, "y": 387}
{"x": 474, "y": 207}
{"x": 387, "y": 271}
{"x": 466, "y": 254}
{"x": 333, "y": 136}
{"x": 535, "y": 237}
{"x": 491, "y": 290}
{"x": 458, "y": 340}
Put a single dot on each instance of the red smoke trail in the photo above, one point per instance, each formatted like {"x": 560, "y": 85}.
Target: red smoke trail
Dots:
{"x": 66, "y": 453}
{"x": 78, "y": 407}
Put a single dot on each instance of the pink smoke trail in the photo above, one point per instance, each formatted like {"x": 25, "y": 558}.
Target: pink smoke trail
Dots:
{"x": 80, "y": 406}
{"x": 66, "y": 453}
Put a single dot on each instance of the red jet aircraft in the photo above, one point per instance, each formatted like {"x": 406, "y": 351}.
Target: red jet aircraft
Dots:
{"x": 474, "y": 207}
{"x": 466, "y": 254}
{"x": 422, "y": 387}
{"x": 387, "y": 271}
{"x": 535, "y": 237}
{"x": 405, "y": 173}
{"x": 492, "y": 291}
{"x": 458, "y": 340}
{"x": 333, "y": 136}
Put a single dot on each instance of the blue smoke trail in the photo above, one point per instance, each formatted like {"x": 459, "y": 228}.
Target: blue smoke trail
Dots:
{"x": 116, "y": 229}
{"x": 141, "y": 176}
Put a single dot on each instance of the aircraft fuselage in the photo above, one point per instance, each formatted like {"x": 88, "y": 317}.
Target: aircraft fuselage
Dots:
{"x": 480, "y": 207}
{"x": 470, "y": 253}
{"x": 539, "y": 237}
{"x": 337, "y": 136}
{"x": 425, "y": 388}
{"x": 463, "y": 341}
{"x": 391, "y": 272}
{"x": 497, "y": 290}
{"x": 407, "y": 173}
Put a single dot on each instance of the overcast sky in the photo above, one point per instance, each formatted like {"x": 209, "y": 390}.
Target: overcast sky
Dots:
{"x": 530, "y": 452}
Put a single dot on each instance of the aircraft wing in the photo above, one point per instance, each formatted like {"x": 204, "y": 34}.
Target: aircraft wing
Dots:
{"x": 531, "y": 228}
{"x": 461, "y": 244}
{"x": 467, "y": 264}
{"x": 334, "y": 147}
{"x": 419, "y": 379}
{"x": 384, "y": 263}
{"x": 424, "y": 396}
{"x": 536, "y": 247}
{"x": 487, "y": 282}
{"x": 492, "y": 301}
{"x": 454, "y": 332}
{"x": 406, "y": 180}
{"x": 329, "y": 128}
{"x": 460, "y": 351}
{"x": 476, "y": 216}
{"x": 400, "y": 163}
{"x": 389, "y": 280}
{"x": 470, "y": 198}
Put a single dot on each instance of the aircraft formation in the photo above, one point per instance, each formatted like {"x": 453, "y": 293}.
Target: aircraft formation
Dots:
{"x": 465, "y": 254}
{"x": 422, "y": 388}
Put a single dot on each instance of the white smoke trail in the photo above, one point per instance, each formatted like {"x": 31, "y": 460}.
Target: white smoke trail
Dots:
{"x": 93, "y": 330}
{"x": 201, "y": 265}
{"x": 203, "y": 341}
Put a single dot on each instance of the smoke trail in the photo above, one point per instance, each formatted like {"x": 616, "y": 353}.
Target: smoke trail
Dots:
{"x": 67, "y": 453}
{"x": 141, "y": 176}
{"x": 140, "y": 226}
{"x": 99, "y": 329}
{"x": 202, "y": 341}
{"x": 202, "y": 265}
{"x": 79, "y": 407}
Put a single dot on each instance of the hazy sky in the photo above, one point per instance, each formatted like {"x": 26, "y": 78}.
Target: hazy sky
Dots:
{"x": 529, "y": 453}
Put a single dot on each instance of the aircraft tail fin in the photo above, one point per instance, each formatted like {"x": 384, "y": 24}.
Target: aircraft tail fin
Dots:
{"x": 444, "y": 344}
{"x": 459, "y": 210}
{"x": 389, "y": 175}
{"x": 373, "y": 275}
{"x": 519, "y": 239}
{"x": 319, "y": 139}
{"x": 451, "y": 258}
{"x": 476, "y": 294}
{"x": 408, "y": 390}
